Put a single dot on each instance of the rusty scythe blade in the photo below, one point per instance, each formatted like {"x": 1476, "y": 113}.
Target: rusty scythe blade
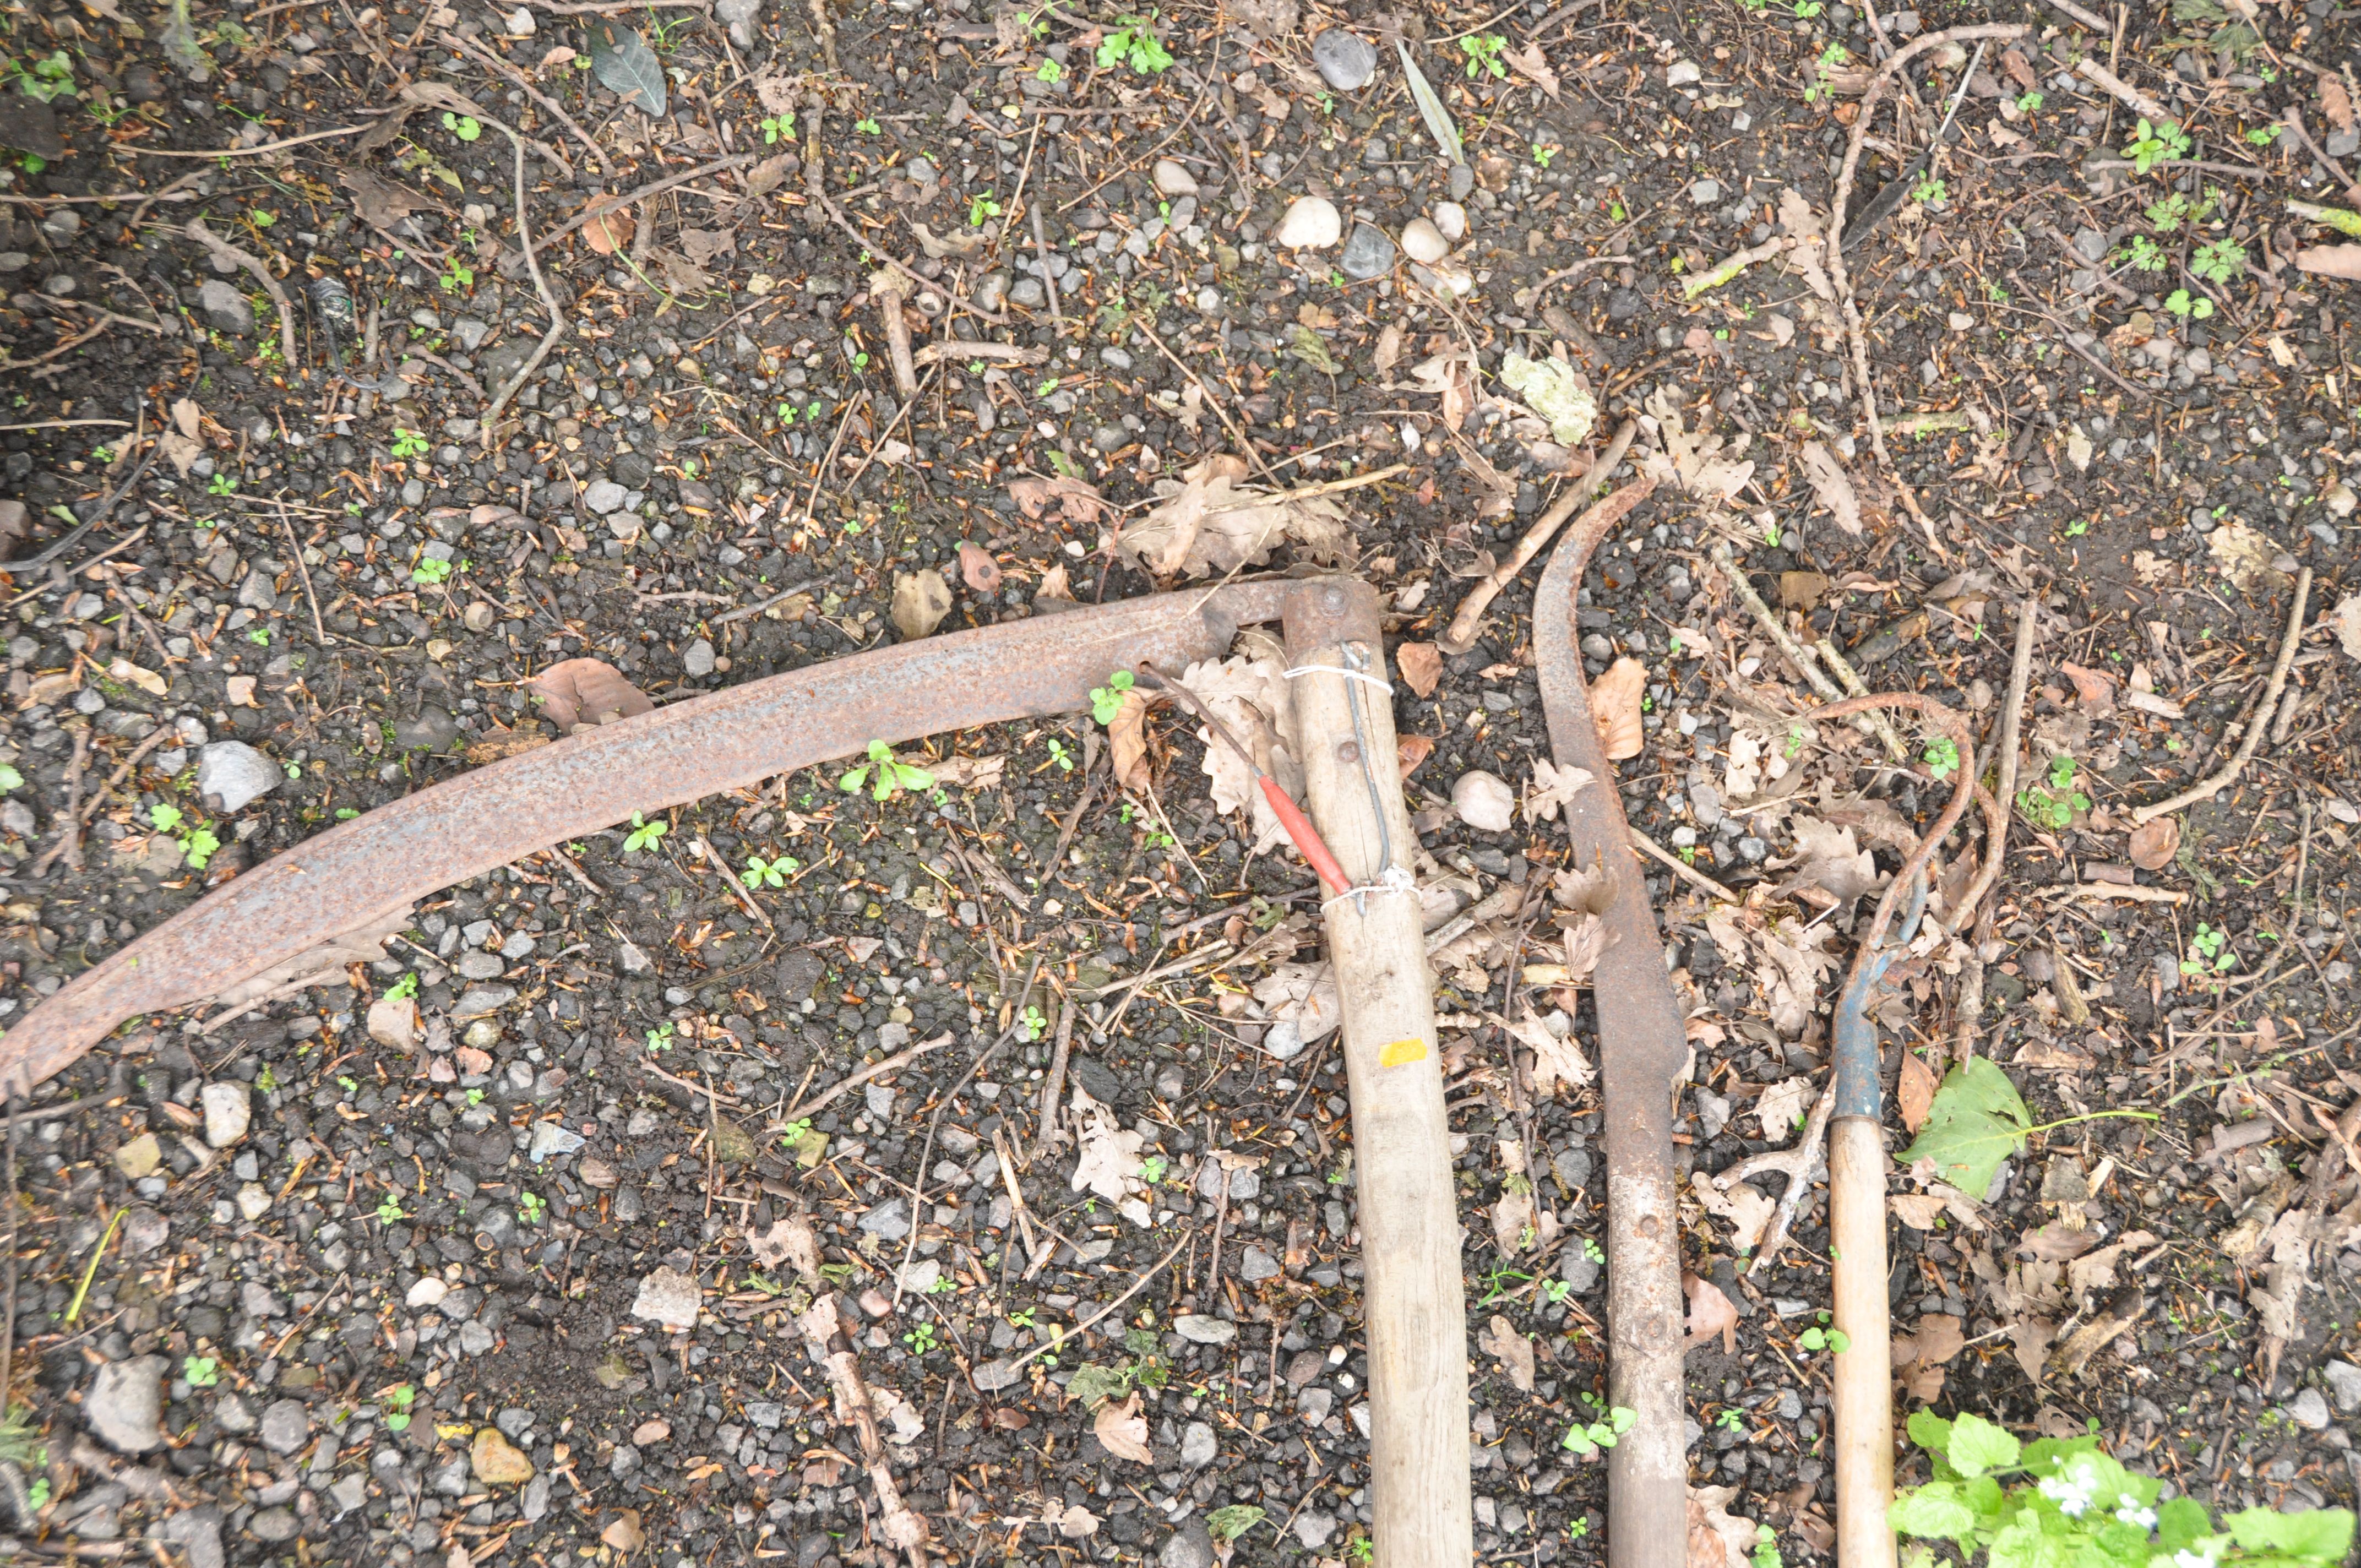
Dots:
{"x": 1642, "y": 1044}
{"x": 596, "y": 778}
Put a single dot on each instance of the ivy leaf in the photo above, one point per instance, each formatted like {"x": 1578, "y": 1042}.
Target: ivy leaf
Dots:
{"x": 627, "y": 67}
{"x": 1226, "y": 1524}
{"x": 1977, "y": 1445}
{"x": 1976, "y": 1120}
{"x": 1094, "y": 1384}
{"x": 2316, "y": 1535}
{"x": 1933, "y": 1512}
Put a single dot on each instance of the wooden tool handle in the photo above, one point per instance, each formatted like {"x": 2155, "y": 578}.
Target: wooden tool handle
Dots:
{"x": 1863, "y": 1377}
{"x": 1412, "y": 1291}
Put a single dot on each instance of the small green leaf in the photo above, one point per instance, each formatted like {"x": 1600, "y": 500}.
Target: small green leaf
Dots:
{"x": 2316, "y": 1535}
{"x": 1226, "y": 1524}
{"x": 1976, "y": 1120}
{"x": 1934, "y": 1511}
{"x": 1977, "y": 1445}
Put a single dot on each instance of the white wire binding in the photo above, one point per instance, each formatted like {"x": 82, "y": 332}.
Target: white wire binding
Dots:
{"x": 1378, "y": 681}
{"x": 1395, "y": 879}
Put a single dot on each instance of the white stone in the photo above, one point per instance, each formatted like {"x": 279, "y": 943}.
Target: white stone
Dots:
{"x": 670, "y": 1298}
{"x": 1421, "y": 241}
{"x": 229, "y": 1110}
{"x": 1451, "y": 221}
{"x": 428, "y": 1292}
{"x": 254, "y": 1200}
{"x": 234, "y": 775}
{"x": 519, "y": 23}
{"x": 1311, "y": 223}
{"x": 2309, "y": 1409}
{"x": 1171, "y": 180}
{"x": 1682, "y": 73}
{"x": 2344, "y": 1382}
{"x": 1484, "y": 802}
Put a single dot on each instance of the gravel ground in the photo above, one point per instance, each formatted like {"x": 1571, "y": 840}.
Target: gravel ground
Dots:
{"x": 496, "y": 1275}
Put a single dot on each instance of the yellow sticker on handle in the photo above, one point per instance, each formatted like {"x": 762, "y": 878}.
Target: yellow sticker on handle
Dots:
{"x": 1401, "y": 1053}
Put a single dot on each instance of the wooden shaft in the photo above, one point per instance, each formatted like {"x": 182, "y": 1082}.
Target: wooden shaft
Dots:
{"x": 1415, "y": 1312}
{"x": 1864, "y": 1393}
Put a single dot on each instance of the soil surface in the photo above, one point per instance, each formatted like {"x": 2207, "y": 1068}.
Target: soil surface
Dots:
{"x": 471, "y": 1252}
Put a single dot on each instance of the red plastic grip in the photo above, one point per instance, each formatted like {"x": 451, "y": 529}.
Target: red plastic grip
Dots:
{"x": 1306, "y": 837}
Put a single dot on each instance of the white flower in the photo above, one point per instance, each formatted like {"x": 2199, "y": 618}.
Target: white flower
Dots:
{"x": 2132, "y": 1513}
{"x": 2200, "y": 1558}
{"x": 2072, "y": 1493}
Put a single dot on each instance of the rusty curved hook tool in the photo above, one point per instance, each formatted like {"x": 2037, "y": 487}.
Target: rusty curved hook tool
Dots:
{"x": 364, "y": 871}
{"x": 1642, "y": 1045}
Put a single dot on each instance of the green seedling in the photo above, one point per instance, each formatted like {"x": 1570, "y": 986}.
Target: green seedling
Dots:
{"x": 1107, "y": 701}
{"x": 2055, "y": 803}
{"x": 644, "y": 834}
{"x": 464, "y": 126}
{"x": 408, "y": 444}
{"x": 2263, "y": 135}
{"x": 222, "y": 484}
{"x": 1818, "y": 1338}
{"x": 2219, "y": 261}
{"x": 1766, "y": 1549}
{"x": 868, "y": 127}
{"x": 1483, "y": 51}
{"x": 1833, "y": 58}
{"x": 921, "y": 1340}
{"x": 47, "y": 80}
{"x": 779, "y": 129}
{"x": 407, "y": 986}
{"x": 2208, "y": 951}
{"x": 2028, "y": 102}
{"x": 884, "y": 775}
{"x": 430, "y": 571}
{"x": 530, "y": 1207}
{"x": 1152, "y": 1169}
{"x": 1731, "y": 1419}
{"x": 10, "y": 779}
{"x": 1941, "y": 757}
{"x": 1134, "y": 44}
{"x": 1050, "y": 71}
{"x": 760, "y": 872}
{"x": 1929, "y": 190}
{"x": 2142, "y": 253}
{"x": 393, "y": 1407}
{"x": 457, "y": 275}
{"x": 1060, "y": 755}
{"x": 1032, "y": 1026}
{"x": 2158, "y": 143}
{"x": 199, "y": 1371}
{"x": 659, "y": 1037}
{"x": 388, "y": 1209}
{"x": 1585, "y": 1439}
{"x": 2182, "y": 304}
{"x": 981, "y": 207}
{"x": 1543, "y": 152}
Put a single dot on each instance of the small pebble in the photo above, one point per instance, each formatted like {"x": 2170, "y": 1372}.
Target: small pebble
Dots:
{"x": 1422, "y": 241}
{"x": 1345, "y": 61}
{"x": 1311, "y": 223}
{"x": 1451, "y": 221}
{"x": 1172, "y": 180}
{"x": 1484, "y": 802}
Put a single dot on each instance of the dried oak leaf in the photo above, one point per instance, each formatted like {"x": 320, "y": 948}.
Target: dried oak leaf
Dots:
{"x": 1109, "y": 1161}
{"x": 1832, "y": 486}
{"x": 1420, "y": 665}
{"x": 2336, "y": 103}
{"x": 1212, "y": 521}
{"x": 1409, "y": 751}
{"x": 1552, "y": 789}
{"x": 2094, "y": 689}
{"x": 2246, "y": 556}
{"x": 2154, "y": 844}
{"x": 1615, "y": 709}
{"x": 2331, "y": 261}
{"x": 586, "y": 691}
{"x": 1124, "y": 1431}
{"x": 1747, "y": 1212}
{"x": 1718, "y": 1539}
{"x": 623, "y": 1532}
{"x": 1075, "y": 500}
{"x": 1530, "y": 64}
{"x": 1501, "y": 1341}
{"x": 790, "y": 1241}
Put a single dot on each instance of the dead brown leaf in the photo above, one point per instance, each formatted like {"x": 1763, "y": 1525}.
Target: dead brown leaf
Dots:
{"x": 2331, "y": 261}
{"x": 1832, "y": 486}
{"x": 1915, "y": 1091}
{"x": 1127, "y": 736}
{"x": 608, "y": 229}
{"x": 1420, "y": 665}
{"x": 1212, "y": 520}
{"x": 623, "y": 1532}
{"x": 791, "y": 1241}
{"x": 381, "y": 201}
{"x": 978, "y": 570}
{"x": 921, "y": 600}
{"x": 1410, "y": 750}
{"x": 1124, "y": 1431}
{"x": 1710, "y": 1313}
{"x": 1513, "y": 1350}
{"x": 1531, "y": 65}
{"x": 501, "y": 745}
{"x": 2019, "y": 70}
{"x": 1075, "y": 500}
{"x": 1747, "y": 1212}
{"x": 2056, "y": 1241}
{"x": 2336, "y": 103}
{"x": 1718, "y": 1539}
{"x": 586, "y": 691}
{"x": 2154, "y": 844}
{"x": 2094, "y": 689}
{"x": 1615, "y": 709}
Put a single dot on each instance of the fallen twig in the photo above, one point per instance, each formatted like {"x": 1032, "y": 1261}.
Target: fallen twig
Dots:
{"x": 1798, "y": 1164}
{"x": 2129, "y": 96}
{"x": 524, "y": 84}
{"x": 197, "y": 231}
{"x": 902, "y": 1058}
{"x": 889, "y": 288}
{"x": 1465, "y": 624}
{"x": 1095, "y": 1318}
{"x": 1878, "y": 86}
{"x": 2206, "y": 789}
{"x": 1821, "y": 681}
{"x": 549, "y": 302}
{"x": 737, "y": 888}
{"x": 1970, "y": 1002}
{"x": 280, "y": 145}
{"x": 1682, "y": 869}
{"x": 816, "y": 186}
{"x": 654, "y": 188}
